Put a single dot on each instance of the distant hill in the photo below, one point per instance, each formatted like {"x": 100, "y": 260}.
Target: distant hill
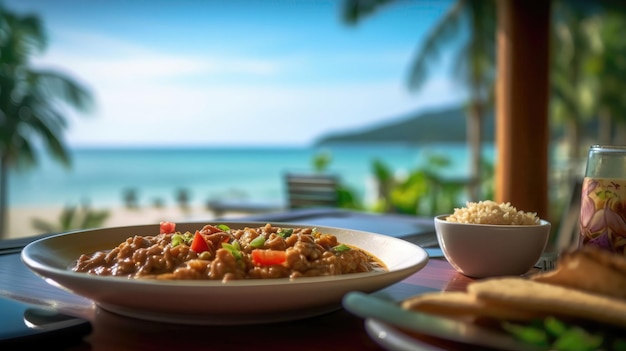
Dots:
{"x": 446, "y": 125}
{"x": 440, "y": 126}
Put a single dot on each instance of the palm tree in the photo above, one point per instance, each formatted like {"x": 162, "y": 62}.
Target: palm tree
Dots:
{"x": 607, "y": 69}
{"x": 588, "y": 70}
{"x": 571, "y": 98}
{"x": 473, "y": 22}
{"x": 32, "y": 101}
{"x": 73, "y": 218}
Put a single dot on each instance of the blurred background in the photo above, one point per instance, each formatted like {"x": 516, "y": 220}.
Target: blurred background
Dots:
{"x": 125, "y": 112}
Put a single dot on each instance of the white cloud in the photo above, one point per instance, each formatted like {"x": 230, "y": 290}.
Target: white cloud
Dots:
{"x": 144, "y": 97}
{"x": 100, "y": 59}
{"x": 246, "y": 115}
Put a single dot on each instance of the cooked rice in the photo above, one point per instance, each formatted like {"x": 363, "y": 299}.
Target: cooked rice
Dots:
{"x": 490, "y": 212}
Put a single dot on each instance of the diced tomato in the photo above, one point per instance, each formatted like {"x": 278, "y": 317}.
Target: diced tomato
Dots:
{"x": 268, "y": 257}
{"x": 198, "y": 244}
{"x": 167, "y": 227}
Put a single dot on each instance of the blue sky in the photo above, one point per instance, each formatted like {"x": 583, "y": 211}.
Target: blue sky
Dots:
{"x": 238, "y": 72}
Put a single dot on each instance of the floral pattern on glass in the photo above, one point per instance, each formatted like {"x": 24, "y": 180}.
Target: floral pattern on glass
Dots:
{"x": 603, "y": 214}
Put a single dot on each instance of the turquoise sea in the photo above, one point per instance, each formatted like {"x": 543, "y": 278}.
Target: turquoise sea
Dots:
{"x": 100, "y": 176}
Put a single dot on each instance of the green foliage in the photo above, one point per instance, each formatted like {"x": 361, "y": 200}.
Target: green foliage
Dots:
{"x": 32, "y": 100}
{"x": 73, "y": 218}
{"x": 422, "y": 192}
{"x": 488, "y": 180}
{"x": 382, "y": 173}
{"x": 405, "y": 195}
{"x": 321, "y": 161}
{"x": 472, "y": 24}
{"x": 354, "y": 10}
{"x": 346, "y": 198}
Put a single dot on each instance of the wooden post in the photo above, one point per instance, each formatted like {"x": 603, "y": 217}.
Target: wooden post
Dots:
{"x": 522, "y": 132}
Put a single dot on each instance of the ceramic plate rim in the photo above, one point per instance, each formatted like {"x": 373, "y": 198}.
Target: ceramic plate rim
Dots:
{"x": 53, "y": 272}
{"x": 392, "y": 339}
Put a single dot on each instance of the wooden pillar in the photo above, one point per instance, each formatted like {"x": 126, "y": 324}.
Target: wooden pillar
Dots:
{"x": 522, "y": 132}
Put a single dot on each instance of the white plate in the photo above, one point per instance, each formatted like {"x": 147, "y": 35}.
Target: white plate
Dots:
{"x": 213, "y": 302}
{"x": 393, "y": 339}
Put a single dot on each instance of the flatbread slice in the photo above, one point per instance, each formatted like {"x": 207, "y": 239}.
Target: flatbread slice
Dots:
{"x": 460, "y": 304}
{"x": 548, "y": 299}
{"x": 590, "y": 269}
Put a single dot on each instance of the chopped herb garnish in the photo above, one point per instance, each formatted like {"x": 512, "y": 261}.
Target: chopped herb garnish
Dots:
{"x": 315, "y": 234}
{"x": 285, "y": 232}
{"x": 258, "y": 242}
{"x": 342, "y": 248}
{"x": 233, "y": 248}
{"x": 179, "y": 238}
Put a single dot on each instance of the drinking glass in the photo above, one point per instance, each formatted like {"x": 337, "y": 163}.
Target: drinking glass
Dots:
{"x": 603, "y": 200}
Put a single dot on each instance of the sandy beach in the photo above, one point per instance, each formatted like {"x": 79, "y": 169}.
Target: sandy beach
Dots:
{"x": 20, "y": 218}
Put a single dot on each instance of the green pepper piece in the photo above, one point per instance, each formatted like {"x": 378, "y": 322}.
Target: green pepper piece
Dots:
{"x": 233, "y": 249}
{"x": 285, "y": 232}
{"x": 342, "y": 248}
{"x": 258, "y": 242}
{"x": 177, "y": 239}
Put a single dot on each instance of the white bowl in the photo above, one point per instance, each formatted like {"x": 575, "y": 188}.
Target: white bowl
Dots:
{"x": 487, "y": 250}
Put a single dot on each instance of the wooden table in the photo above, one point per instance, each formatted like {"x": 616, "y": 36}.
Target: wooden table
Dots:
{"x": 338, "y": 330}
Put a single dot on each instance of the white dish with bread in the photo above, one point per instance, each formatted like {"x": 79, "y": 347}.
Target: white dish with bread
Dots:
{"x": 563, "y": 294}
{"x": 582, "y": 301}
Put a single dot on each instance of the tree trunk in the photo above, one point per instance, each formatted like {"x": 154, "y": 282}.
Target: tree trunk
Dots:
{"x": 4, "y": 190}
{"x": 604, "y": 126}
{"x": 620, "y": 134}
{"x": 474, "y": 140}
{"x": 573, "y": 137}
{"x": 522, "y": 130}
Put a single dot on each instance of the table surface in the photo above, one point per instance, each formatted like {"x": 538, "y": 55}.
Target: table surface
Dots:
{"x": 338, "y": 330}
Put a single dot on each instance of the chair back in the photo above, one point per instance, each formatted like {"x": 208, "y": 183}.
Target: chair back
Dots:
{"x": 311, "y": 190}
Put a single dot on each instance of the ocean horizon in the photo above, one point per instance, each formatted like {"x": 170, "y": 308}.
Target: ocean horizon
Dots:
{"x": 101, "y": 176}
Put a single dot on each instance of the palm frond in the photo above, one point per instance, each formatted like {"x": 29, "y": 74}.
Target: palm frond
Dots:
{"x": 72, "y": 218}
{"x": 67, "y": 216}
{"x": 30, "y": 100}
{"x": 354, "y": 10}
{"x": 21, "y": 155}
{"x": 93, "y": 219}
{"x": 46, "y": 125}
{"x": 54, "y": 85}
{"x": 440, "y": 36}
{"x": 35, "y": 109}
{"x": 34, "y": 33}
{"x": 54, "y": 146}
{"x": 23, "y": 37}
{"x": 43, "y": 226}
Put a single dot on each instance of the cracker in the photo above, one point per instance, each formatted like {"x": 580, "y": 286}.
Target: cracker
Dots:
{"x": 460, "y": 304}
{"x": 549, "y": 299}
